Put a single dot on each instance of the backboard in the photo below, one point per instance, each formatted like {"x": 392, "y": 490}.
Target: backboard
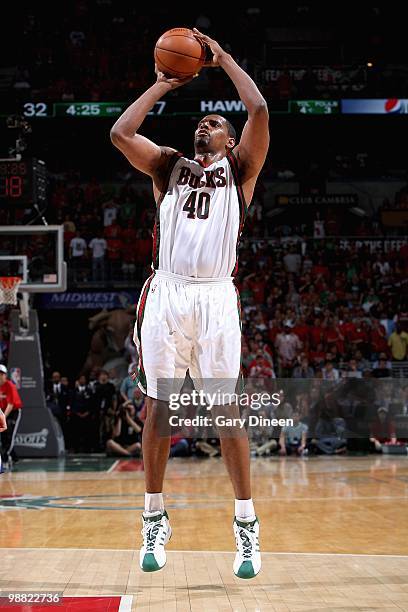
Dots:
{"x": 36, "y": 253}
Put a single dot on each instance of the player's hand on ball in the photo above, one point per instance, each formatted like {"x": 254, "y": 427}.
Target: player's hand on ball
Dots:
{"x": 173, "y": 82}
{"x": 216, "y": 49}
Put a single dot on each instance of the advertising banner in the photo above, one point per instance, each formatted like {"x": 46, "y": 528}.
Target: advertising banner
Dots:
{"x": 390, "y": 106}
{"x": 344, "y": 199}
{"x": 38, "y": 434}
{"x": 91, "y": 300}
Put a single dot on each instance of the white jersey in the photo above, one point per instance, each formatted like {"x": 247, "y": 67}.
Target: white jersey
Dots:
{"x": 199, "y": 219}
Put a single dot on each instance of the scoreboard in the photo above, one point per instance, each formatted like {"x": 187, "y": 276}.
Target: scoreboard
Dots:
{"x": 23, "y": 182}
{"x": 176, "y": 106}
{"x": 85, "y": 109}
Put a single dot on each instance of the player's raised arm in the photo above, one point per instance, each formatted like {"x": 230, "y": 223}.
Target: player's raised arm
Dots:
{"x": 141, "y": 152}
{"x": 253, "y": 146}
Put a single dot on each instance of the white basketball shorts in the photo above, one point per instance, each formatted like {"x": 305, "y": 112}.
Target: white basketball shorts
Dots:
{"x": 185, "y": 323}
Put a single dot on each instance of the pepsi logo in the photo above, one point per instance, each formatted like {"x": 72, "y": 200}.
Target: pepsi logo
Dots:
{"x": 393, "y": 106}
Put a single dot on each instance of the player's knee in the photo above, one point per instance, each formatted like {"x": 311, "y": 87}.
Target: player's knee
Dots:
{"x": 157, "y": 413}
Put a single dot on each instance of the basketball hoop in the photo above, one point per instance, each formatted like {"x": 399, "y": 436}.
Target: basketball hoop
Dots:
{"x": 8, "y": 289}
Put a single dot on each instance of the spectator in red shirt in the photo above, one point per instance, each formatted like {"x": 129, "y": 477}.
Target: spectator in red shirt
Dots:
{"x": 112, "y": 231}
{"x": 359, "y": 337}
{"x": 378, "y": 338}
{"x": 321, "y": 270}
{"x": 143, "y": 248}
{"x": 318, "y": 356}
{"x": 129, "y": 234}
{"x": 257, "y": 284}
{"x": 114, "y": 252}
{"x": 93, "y": 191}
{"x": 113, "y": 235}
{"x": 339, "y": 289}
{"x": 301, "y": 329}
{"x": 10, "y": 405}
{"x": 347, "y": 327}
{"x": 332, "y": 335}
{"x": 316, "y": 333}
{"x": 128, "y": 259}
{"x": 261, "y": 367}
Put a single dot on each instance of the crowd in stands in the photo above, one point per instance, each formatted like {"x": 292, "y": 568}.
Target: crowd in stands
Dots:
{"x": 104, "y": 51}
{"x": 98, "y": 414}
{"x": 317, "y": 302}
{"x": 317, "y": 310}
{"x": 320, "y": 299}
{"x": 107, "y": 233}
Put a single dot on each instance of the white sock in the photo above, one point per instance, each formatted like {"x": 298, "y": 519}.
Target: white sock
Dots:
{"x": 244, "y": 510}
{"x": 154, "y": 502}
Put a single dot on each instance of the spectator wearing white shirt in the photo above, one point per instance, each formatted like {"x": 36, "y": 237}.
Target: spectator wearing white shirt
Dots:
{"x": 98, "y": 247}
{"x": 292, "y": 261}
{"x": 382, "y": 357}
{"x": 352, "y": 370}
{"x": 381, "y": 266}
{"x": 318, "y": 227}
{"x": 288, "y": 346}
{"x": 329, "y": 372}
{"x": 77, "y": 254}
{"x": 110, "y": 212}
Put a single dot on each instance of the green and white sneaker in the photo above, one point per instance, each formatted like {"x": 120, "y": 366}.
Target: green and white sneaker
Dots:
{"x": 247, "y": 561}
{"x": 156, "y": 533}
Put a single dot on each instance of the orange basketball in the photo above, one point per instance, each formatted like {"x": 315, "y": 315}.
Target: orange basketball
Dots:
{"x": 178, "y": 53}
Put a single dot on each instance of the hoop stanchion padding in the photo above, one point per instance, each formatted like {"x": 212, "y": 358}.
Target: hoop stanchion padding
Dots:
{"x": 8, "y": 289}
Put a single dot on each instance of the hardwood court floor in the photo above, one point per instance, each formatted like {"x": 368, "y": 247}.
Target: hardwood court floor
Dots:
{"x": 334, "y": 532}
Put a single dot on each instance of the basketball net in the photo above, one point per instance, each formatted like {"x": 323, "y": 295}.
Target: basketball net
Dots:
{"x": 8, "y": 289}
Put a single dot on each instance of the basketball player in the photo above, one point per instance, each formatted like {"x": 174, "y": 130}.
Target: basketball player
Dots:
{"x": 188, "y": 312}
{"x": 10, "y": 412}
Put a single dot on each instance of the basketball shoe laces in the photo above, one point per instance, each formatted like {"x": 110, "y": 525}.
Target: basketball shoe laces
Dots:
{"x": 246, "y": 542}
{"x": 150, "y": 531}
